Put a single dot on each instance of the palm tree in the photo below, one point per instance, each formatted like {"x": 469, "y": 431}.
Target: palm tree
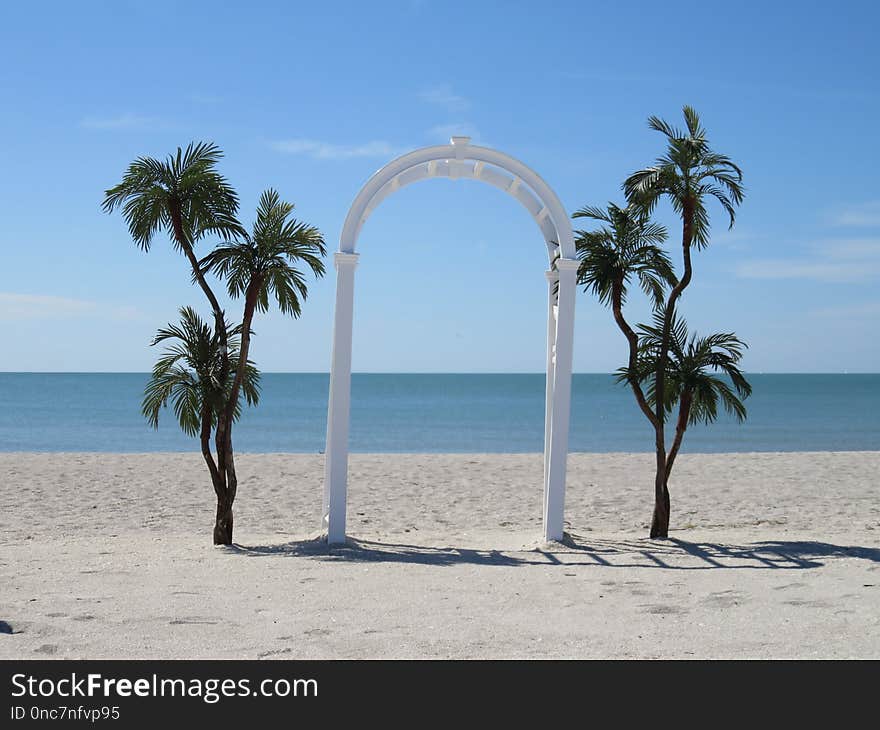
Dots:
{"x": 187, "y": 198}
{"x": 626, "y": 247}
{"x": 260, "y": 266}
{"x": 689, "y": 174}
{"x": 191, "y": 375}
{"x": 205, "y": 373}
{"x": 692, "y": 381}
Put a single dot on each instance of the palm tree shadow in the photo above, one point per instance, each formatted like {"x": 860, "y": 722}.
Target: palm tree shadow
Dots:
{"x": 368, "y": 551}
{"x": 575, "y": 550}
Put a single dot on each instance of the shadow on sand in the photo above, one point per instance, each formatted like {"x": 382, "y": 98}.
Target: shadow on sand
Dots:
{"x": 674, "y": 553}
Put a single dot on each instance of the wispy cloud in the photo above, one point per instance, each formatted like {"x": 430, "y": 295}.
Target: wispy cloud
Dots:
{"x": 442, "y": 95}
{"x": 121, "y": 121}
{"x": 850, "y": 248}
{"x": 442, "y": 132}
{"x": 816, "y": 270}
{"x": 862, "y": 215}
{"x": 329, "y": 151}
{"x": 44, "y": 306}
{"x": 851, "y": 311}
{"x": 735, "y": 240}
{"x": 832, "y": 260}
{"x": 39, "y": 306}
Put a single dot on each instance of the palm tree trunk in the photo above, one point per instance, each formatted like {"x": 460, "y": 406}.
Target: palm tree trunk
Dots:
{"x": 684, "y": 412}
{"x": 220, "y": 475}
{"x": 228, "y": 481}
{"x": 226, "y": 455}
{"x": 223, "y": 519}
{"x": 223, "y": 522}
{"x": 633, "y": 340}
{"x": 660, "y": 521}
{"x": 225, "y": 467}
{"x": 205, "y": 439}
{"x": 250, "y": 306}
{"x": 186, "y": 246}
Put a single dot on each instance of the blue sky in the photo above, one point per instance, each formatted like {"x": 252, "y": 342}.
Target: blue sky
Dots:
{"x": 312, "y": 98}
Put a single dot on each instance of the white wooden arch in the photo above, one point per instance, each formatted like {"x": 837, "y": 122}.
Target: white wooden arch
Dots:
{"x": 460, "y": 159}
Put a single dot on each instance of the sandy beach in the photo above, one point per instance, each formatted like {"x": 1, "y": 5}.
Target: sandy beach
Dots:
{"x": 110, "y": 556}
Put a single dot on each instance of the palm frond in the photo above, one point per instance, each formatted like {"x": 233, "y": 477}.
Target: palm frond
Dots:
{"x": 594, "y": 212}
{"x": 266, "y": 259}
{"x": 661, "y": 125}
{"x": 626, "y": 247}
{"x": 189, "y": 376}
{"x": 152, "y": 192}
{"x": 705, "y": 369}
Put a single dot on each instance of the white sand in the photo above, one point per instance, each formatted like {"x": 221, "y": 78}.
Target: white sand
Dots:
{"x": 110, "y": 556}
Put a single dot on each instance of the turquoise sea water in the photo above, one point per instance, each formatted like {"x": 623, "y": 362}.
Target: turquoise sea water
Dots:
{"x": 434, "y": 413}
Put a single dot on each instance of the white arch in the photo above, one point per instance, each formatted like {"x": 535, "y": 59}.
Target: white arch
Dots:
{"x": 459, "y": 159}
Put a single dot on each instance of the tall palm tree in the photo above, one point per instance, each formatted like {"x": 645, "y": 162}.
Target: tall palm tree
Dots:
{"x": 627, "y": 246}
{"x": 688, "y": 175}
{"x": 260, "y": 266}
{"x": 192, "y": 376}
{"x": 187, "y": 198}
{"x": 692, "y": 382}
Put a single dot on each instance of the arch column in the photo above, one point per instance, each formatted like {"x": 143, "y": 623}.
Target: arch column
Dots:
{"x": 552, "y": 277}
{"x": 339, "y": 406}
{"x": 560, "y": 401}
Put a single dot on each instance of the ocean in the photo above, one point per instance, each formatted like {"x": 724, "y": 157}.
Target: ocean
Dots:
{"x": 414, "y": 413}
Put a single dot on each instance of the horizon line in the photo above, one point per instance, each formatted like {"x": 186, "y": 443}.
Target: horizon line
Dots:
{"x": 425, "y": 372}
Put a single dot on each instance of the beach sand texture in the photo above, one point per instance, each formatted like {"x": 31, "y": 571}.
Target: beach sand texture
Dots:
{"x": 110, "y": 556}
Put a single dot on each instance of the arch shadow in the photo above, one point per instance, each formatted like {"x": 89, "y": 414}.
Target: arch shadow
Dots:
{"x": 673, "y": 554}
